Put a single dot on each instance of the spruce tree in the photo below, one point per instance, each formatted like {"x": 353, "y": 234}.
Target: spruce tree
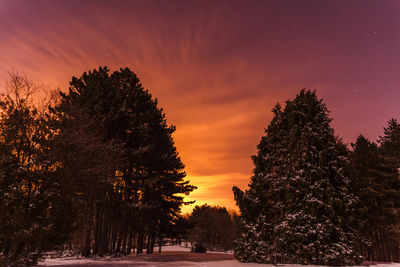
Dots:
{"x": 377, "y": 186}
{"x": 298, "y": 205}
{"x": 390, "y": 141}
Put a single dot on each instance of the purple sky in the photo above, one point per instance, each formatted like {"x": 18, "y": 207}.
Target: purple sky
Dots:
{"x": 218, "y": 67}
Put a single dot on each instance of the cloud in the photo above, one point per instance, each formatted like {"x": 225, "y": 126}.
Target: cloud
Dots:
{"x": 218, "y": 68}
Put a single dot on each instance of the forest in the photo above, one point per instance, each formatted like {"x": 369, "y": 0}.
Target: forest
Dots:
{"x": 94, "y": 170}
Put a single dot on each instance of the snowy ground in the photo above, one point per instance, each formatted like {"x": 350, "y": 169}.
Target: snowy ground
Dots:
{"x": 172, "y": 256}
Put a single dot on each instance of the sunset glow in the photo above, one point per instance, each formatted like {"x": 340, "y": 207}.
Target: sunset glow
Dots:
{"x": 218, "y": 67}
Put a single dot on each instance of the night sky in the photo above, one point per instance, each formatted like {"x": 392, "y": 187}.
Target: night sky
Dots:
{"x": 218, "y": 67}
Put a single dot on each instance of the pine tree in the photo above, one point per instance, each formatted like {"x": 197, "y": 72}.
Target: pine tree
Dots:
{"x": 377, "y": 186}
{"x": 390, "y": 149}
{"x": 390, "y": 141}
{"x": 86, "y": 162}
{"x": 143, "y": 187}
{"x": 298, "y": 205}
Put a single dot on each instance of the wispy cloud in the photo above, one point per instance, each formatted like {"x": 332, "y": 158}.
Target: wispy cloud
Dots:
{"x": 218, "y": 67}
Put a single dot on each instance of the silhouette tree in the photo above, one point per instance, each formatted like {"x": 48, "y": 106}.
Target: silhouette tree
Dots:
{"x": 143, "y": 188}
{"x": 213, "y": 228}
{"x": 33, "y": 207}
{"x": 390, "y": 142}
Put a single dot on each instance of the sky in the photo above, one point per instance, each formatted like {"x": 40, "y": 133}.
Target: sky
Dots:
{"x": 218, "y": 67}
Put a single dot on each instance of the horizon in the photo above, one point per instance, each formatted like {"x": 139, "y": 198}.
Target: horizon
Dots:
{"x": 218, "y": 68}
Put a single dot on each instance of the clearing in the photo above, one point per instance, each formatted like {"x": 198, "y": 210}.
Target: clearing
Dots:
{"x": 173, "y": 256}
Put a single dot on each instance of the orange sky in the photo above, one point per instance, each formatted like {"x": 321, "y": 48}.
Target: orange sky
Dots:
{"x": 218, "y": 67}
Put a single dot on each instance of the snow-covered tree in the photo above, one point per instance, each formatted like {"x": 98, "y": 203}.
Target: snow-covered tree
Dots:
{"x": 298, "y": 205}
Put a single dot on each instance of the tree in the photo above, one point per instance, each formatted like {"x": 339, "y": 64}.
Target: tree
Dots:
{"x": 390, "y": 142}
{"x": 34, "y": 211}
{"x": 143, "y": 188}
{"x": 213, "y": 228}
{"x": 298, "y": 206}
{"x": 87, "y": 162}
{"x": 377, "y": 186}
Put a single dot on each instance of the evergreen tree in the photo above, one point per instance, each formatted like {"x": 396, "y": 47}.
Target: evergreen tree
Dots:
{"x": 390, "y": 142}
{"x": 144, "y": 188}
{"x": 86, "y": 162}
{"x": 377, "y": 186}
{"x": 298, "y": 206}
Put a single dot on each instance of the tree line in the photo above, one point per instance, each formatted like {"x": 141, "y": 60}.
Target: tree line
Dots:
{"x": 312, "y": 200}
{"x": 94, "y": 169}
{"x": 212, "y": 228}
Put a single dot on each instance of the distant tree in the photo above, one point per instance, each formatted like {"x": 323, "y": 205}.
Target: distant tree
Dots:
{"x": 180, "y": 229}
{"x": 175, "y": 231}
{"x": 390, "y": 142}
{"x": 34, "y": 209}
{"x": 213, "y": 228}
{"x": 298, "y": 208}
{"x": 376, "y": 184}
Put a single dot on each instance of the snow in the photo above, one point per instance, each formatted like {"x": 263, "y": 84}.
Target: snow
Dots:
{"x": 173, "y": 248}
{"x": 186, "y": 248}
{"x": 86, "y": 262}
{"x": 121, "y": 263}
{"x": 158, "y": 260}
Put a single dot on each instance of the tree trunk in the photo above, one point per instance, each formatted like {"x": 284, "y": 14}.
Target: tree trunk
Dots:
{"x": 139, "y": 249}
{"x": 124, "y": 235}
{"x": 148, "y": 244}
{"x": 115, "y": 235}
{"x": 86, "y": 241}
{"x": 153, "y": 241}
{"x": 97, "y": 229}
{"x": 129, "y": 245}
{"x": 118, "y": 237}
{"x": 104, "y": 234}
